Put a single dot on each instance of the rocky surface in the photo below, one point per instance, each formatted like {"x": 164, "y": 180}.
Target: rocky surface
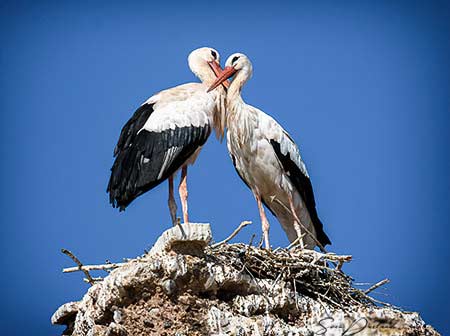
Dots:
{"x": 182, "y": 287}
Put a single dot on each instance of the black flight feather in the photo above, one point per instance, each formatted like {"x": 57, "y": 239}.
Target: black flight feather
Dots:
{"x": 140, "y": 157}
{"x": 303, "y": 185}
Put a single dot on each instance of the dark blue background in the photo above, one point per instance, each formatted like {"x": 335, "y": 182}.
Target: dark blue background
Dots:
{"x": 363, "y": 87}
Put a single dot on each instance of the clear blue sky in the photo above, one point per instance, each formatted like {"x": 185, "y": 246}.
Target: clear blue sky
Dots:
{"x": 362, "y": 87}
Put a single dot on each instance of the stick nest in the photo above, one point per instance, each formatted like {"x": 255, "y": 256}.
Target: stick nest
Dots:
{"x": 316, "y": 275}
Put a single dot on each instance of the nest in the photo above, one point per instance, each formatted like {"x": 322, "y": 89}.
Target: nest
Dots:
{"x": 313, "y": 274}
{"x": 316, "y": 275}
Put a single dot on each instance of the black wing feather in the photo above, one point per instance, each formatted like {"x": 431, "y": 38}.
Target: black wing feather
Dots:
{"x": 303, "y": 185}
{"x": 132, "y": 127}
{"x": 138, "y": 165}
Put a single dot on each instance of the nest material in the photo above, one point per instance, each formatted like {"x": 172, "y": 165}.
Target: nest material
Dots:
{"x": 316, "y": 275}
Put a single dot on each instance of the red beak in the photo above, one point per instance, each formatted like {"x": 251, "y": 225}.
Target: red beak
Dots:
{"x": 215, "y": 66}
{"x": 221, "y": 78}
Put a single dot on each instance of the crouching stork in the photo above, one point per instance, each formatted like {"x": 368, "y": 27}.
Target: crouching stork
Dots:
{"x": 269, "y": 162}
{"x": 166, "y": 134}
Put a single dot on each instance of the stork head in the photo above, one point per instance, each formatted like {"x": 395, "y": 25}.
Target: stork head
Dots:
{"x": 205, "y": 64}
{"x": 236, "y": 64}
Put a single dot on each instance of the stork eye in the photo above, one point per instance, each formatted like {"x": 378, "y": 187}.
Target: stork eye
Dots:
{"x": 214, "y": 54}
{"x": 235, "y": 58}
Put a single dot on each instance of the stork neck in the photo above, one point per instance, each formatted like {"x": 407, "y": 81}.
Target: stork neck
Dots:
{"x": 234, "y": 97}
{"x": 235, "y": 105}
{"x": 219, "y": 115}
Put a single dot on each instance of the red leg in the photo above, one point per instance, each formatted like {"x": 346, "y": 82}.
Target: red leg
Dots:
{"x": 264, "y": 222}
{"x": 172, "y": 203}
{"x": 184, "y": 193}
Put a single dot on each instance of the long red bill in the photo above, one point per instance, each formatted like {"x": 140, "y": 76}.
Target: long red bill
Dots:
{"x": 225, "y": 74}
{"x": 215, "y": 66}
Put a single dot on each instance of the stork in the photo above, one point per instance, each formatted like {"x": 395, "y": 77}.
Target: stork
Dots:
{"x": 166, "y": 133}
{"x": 268, "y": 160}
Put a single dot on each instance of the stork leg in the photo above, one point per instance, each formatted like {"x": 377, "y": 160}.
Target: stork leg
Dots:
{"x": 182, "y": 189}
{"x": 172, "y": 203}
{"x": 296, "y": 223}
{"x": 264, "y": 222}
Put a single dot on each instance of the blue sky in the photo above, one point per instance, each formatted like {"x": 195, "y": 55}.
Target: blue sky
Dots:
{"x": 363, "y": 87}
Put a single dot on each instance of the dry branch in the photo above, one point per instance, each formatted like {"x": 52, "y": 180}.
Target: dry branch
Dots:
{"x": 375, "y": 286}
{"x": 88, "y": 268}
{"x": 94, "y": 279}
{"x": 311, "y": 272}
{"x": 80, "y": 265}
{"x": 233, "y": 234}
{"x": 308, "y": 270}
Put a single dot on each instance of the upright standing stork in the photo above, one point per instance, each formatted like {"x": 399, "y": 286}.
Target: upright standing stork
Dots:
{"x": 166, "y": 133}
{"x": 269, "y": 162}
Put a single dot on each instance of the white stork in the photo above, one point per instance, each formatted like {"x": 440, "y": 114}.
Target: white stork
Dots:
{"x": 269, "y": 162}
{"x": 166, "y": 133}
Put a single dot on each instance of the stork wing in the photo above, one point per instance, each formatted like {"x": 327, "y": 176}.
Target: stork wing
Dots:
{"x": 132, "y": 127}
{"x": 152, "y": 146}
{"x": 289, "y": 156}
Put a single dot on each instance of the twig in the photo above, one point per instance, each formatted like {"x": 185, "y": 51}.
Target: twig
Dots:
{"x": 378, "y": 284}
{"x": 261, "y": 242}
{"x": 307, "y": 268}
{"x": 339, "y": 265}
{"x": 276, "y": 281}
{"x": 250, "y": 243}
{"x": 80, "y": 265}
{"x": 103, "y": 267}
{"x": 296, "y": 294}
{"x": 381, "y": 302}
{"x": 95, "y": 279}
{"x": 294, "y": 243}
{"x": 330, "y": 256}
{"x": 231, "y": 236}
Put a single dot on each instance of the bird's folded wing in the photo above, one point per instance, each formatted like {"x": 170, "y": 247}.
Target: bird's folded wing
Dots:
{"x": 289, "y": 156}
{"x": 152, "y": 149}
{"x": 132, "y": 127}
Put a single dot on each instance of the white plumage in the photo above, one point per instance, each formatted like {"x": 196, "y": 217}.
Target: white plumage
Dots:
{"x": 166, "y": 134}
{"x": 269, "y": 162}
{"x": 182, "y": 106}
